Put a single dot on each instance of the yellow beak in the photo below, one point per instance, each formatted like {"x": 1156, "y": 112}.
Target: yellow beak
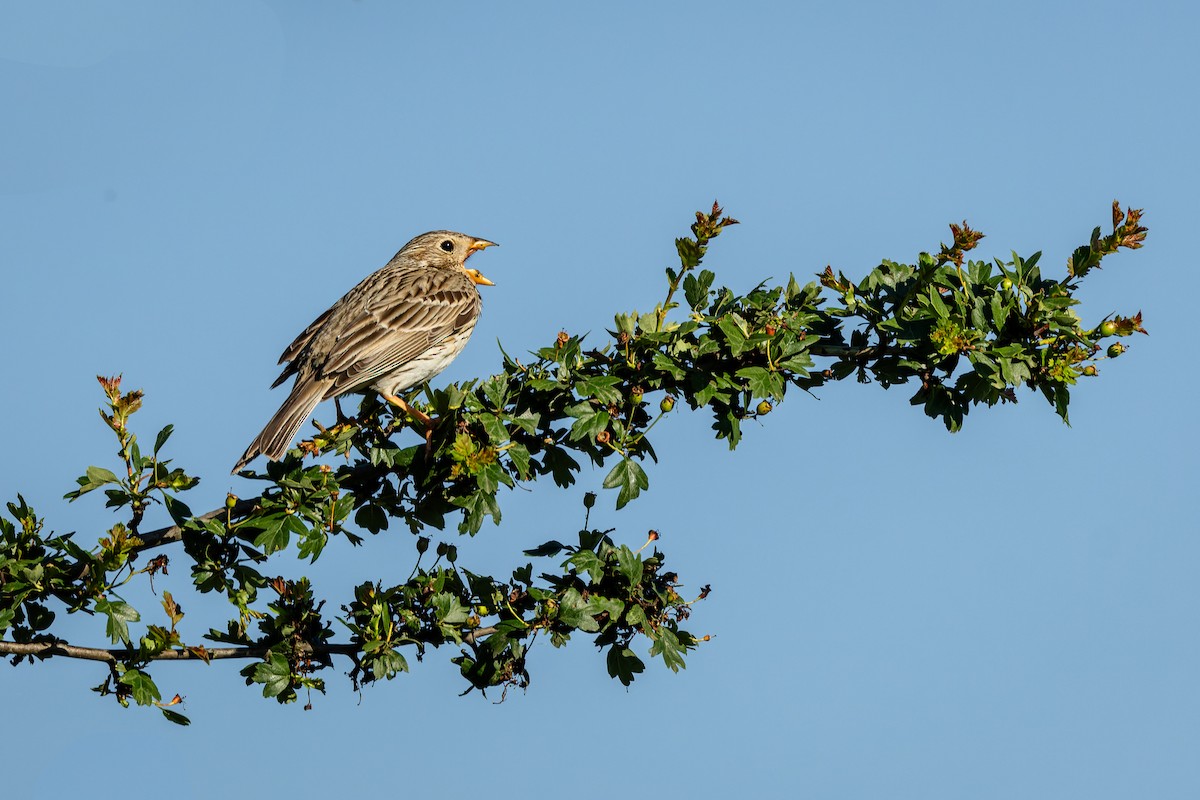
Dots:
{"x": 476, "y": 277}
{"x": 474, "y": 274}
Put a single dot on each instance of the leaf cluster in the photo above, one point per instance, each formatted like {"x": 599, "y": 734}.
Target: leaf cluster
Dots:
{"x": 962, "y": 332}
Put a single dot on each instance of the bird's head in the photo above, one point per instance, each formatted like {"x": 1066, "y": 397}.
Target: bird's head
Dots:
{"x": 447, "y": 250}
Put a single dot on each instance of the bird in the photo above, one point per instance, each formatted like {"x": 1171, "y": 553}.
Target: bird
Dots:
{"x": 398, "y": 328}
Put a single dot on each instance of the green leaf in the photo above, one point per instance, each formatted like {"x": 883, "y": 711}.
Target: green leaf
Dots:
{"x": 588, "y": 540}
{"x": 978, "y": 271}
{"x": 635, "y": 616}
{"x": 371, "y": 517}
{"x": 527, "y": 421}
{"x": 664, "y": 363}
{"x": 588, "y": 423}
{"x": 385, "y": 453}
{"x": 275, "y": 536}
{"x": 999, "y": 312}
{"x": 387, "y": 663}
{"x": 696, "y": 289}
{"x": 1062, "y": 399}
{"x": 490, "y": 477}
{"x": 561, "y": 466}
{"x": 978, "y": 317}
{"x": 629, "y": 476}
{"x": 572, "y": 611}
{"x": 172, "y": 716}
{"x": 762, "y": 382}
{"x": 602, "y": 388}
{"x": 667, "y": 645}
{"x": 939, "y": 306}
{"x": 98, "y": 476}
{"x": 518, "y": 454}
{"x": 93, "y": 479}
{"x": 709, "y": 392}
{"x": 119, "y": 614}
{"x": 550, "y": 548}
{"x": 623, "y": 664}
{"x": 611, "y": 606}
{"x": 734, "y": 334}
{"x": 494, "y": 427}
{"x": 163, "y": 435}
{"x": 141, "y": 687}
{"x": 179, "y": 510}
{"x": 477, "y": 506}
{"x": 311, "y": 544}
{"x": 630, "y": 565}
{"x": 690, "y": 252}
{"x": 275, "y": 674}
{"x": 494, "y": 390}
{"x": 589, "y": 562}
{"x": 449, "y": 610}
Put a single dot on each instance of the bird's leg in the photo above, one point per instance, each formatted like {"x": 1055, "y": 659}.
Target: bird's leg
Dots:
{"x": 342, "y": 420}
{"x": 419, "y": 416}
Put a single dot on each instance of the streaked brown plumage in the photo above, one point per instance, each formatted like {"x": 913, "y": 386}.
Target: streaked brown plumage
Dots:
{"x": 396, "y": 329}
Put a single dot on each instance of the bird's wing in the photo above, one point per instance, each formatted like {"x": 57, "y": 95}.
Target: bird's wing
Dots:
{"x": 394, "y": 326}
{"x": 297, "y": 346}
{"x": 304, "y": 338}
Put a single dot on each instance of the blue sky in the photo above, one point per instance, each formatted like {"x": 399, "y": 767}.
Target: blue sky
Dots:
{"x": 897, "y": 612}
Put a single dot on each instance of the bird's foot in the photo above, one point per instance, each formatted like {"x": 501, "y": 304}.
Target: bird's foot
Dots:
{"x": 342, "y": 418}
{"x": 424, "y": 419}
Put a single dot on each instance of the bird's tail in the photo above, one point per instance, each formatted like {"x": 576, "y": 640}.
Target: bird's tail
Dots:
{"x": 278, "y": 434}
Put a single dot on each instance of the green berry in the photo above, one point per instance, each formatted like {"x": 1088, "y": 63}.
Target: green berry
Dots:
{"x": 1115, "y": 350}
{"x": 764, "y": 408}
{"x": 1108, "y": 328}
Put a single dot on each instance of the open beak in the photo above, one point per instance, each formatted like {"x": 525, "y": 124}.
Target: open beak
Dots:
{"x": 474, "y": 274}
{"x": 476, "y": 277}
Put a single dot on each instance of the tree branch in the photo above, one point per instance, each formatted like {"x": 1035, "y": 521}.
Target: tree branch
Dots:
{"x": 244, "y": 507}
{"x": 117, "y": 654}
{"x": 174, "y": 533}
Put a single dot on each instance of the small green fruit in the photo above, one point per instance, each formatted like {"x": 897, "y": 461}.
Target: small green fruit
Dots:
{"x": 1108, "y": 328}
{"x": 1090, "y": 371}
{"x": 1115, "y": 350}
{"x": 667, "y": 404}
{"x": 764, "y": 408}
{"x": 1006, "y": 284}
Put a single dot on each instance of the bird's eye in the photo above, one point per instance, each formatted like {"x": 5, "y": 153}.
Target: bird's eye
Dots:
{"x": 448, "y": 245}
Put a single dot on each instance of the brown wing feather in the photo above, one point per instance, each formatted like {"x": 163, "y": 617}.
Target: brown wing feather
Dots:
{"x": 297, "y": 346}
{"x": 389, "y": 336}
{"x": 306, "y": 335}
